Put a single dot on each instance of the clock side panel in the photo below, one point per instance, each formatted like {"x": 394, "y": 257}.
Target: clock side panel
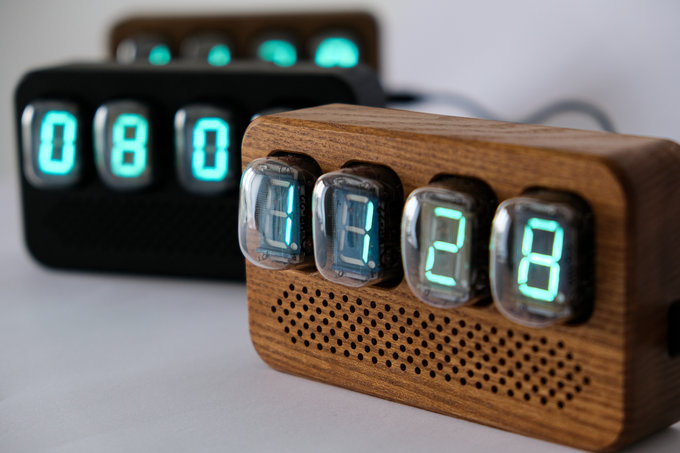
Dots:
{"x": 651, "y": 184}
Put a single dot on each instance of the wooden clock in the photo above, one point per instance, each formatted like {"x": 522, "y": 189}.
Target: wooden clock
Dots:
{"x": 327, "y": 39}
{"x": 524, "y": 277}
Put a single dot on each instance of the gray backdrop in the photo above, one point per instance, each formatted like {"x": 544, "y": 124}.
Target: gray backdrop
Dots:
{"x": 512, "y": 56}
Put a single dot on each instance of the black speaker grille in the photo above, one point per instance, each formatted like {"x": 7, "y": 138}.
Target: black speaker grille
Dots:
{"x": 141, "y": 232}
{"x": 506, "y": 362}
{"x": 130, "y": 224}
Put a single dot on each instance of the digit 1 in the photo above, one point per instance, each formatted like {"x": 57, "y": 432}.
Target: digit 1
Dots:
{"x": 273, "y": 196}
{"x": 443, "y": 246}
{"x": 353, "y": 229}
{"x": 48, "y": 161}
{"x": 538, "y": 259}
{"x": 199, "y": 167}
{"x": 289, "y": 211}
{"x": 134, "y": 146}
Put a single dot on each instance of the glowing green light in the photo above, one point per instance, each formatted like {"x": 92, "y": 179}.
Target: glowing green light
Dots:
{"x": 159, "y": 55}
{"x": 369, "y": 217}
{"x": 277, "y": 51}
{"x": 550, "y": 261}
{"x": 289, "y": 211}
{"x": 439, "y": 246}
{"x": 356, "y": 210}
{"x": 277, "y": 217}
{"x": 337, "y": 51}
{"x": 130, "y": 133}
{"x": 200, "y": 169}
{"x": 290, "y": 199}
{"x": 48, "y": 162}
{"x": 444, "y": 246}
{"x": 367, "y": 226}
{"x": 367, "y": 243}
{"x": 219, "y": 55}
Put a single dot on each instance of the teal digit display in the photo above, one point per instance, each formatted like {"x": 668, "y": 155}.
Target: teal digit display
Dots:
{"x": 150, "y": 49}
{"x": 50, "y": 143}
{"x": 202, "y": 139}
{"x": 444, "y": 234}
{"x": 278, "y": 51}
{"x": 337, "y": 51}
{"x": 129, "y": 136}
{"x": 356, "y": 234}
{"x": 279, "y": 216}
{"x": 439, "y": 247}
{"x": 541, "y": 257}
{"x": 123, "y": 145}
{"x": 57, "y": 150}
{"x": 274, "y": 204}
{"x": 551, "y": 282}
{"x": 210, "y": 137}
{"x": 159, "y": 55}
{"x": 219, "y": 55}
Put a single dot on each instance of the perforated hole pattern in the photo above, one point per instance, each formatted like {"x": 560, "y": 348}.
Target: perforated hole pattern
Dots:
{"x": 504, "y": 362}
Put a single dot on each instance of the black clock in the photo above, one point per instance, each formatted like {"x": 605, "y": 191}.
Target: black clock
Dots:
{"x": 136, "y": 168}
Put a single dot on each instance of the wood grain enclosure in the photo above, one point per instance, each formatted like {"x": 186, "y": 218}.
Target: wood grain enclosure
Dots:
{"x": 598, "y": 385}
{"x": 243, "y": 29}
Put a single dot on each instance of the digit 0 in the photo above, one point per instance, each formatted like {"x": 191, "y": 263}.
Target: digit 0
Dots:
{"x": 50, "y": 161}
{"x": 130, "y": 133}
{"x": 551, "y": 261}
{"x": 201, "y": 148}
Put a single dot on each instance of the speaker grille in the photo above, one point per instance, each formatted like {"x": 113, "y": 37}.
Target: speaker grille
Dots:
{"x": 508, "y": 362}
{"x": 144, "y": 225}
{"x": 163, "y": 232}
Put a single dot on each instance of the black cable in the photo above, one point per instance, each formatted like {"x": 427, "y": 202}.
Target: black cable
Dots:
{"x": 477, "y": 110}
{"x": 571, "y": 105}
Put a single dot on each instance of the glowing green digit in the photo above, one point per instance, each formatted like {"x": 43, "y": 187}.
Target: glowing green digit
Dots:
{"x": 337, "y": 51}
{"x": 159, "y": 55}
{"x": 443, "y": 246}
{"x": 367, "y": 227}
{"x": 131, "y": 147}
{"x": 349, "y": 226}
{"x": 278, "y": 51}
{"x": 273, "y": 224}
{"x": 289, "y": 211}
{"x": 538, "y": 259}
{"x": 219, "y": 55}
{"x": 199, "y": 167}
{"x": 49, "y": 161}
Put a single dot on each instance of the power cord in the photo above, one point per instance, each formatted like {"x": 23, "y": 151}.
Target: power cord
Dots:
{"x": 475, "y": 109}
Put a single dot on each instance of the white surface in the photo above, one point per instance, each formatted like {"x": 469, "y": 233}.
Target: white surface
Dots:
{"x": 108, "y": 363}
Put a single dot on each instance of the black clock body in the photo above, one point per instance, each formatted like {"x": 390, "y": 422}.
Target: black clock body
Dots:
{"x": 161, "y": 228}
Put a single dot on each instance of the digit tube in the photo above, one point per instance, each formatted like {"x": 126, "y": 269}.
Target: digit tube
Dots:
{"x": 203, "y": 136}
{"x": 123, "y": 145}
{"x": 51, "y": 145}
{"x": 541, "y": 257}
{"x": 355, "y": 223}
{"x": 444, "y": 233}
{"x": 275, "y": 202}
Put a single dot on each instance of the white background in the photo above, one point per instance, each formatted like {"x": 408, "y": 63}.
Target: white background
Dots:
{"x": 512, "y": 56}
{"x": 111, "y": 363}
